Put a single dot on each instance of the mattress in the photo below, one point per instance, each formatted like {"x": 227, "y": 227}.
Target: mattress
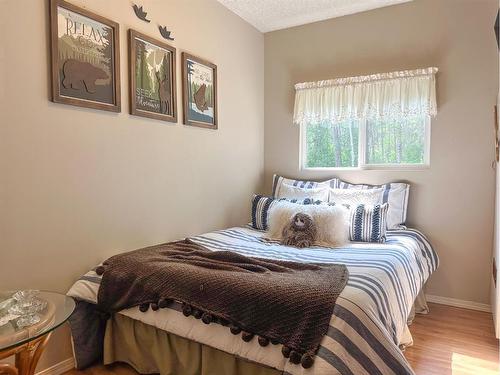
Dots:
{"x": 368, "y": 327}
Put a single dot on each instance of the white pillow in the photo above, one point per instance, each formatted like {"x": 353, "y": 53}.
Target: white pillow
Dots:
{"x": 355, "y": 197}
{"x": 395, "y": 193}
{"x": 279, "y": 181}
{"x": 332, "y": 222}
{"x": 293, "y": 192}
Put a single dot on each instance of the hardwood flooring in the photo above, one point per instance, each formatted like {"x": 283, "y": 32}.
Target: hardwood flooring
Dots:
{"x": 453, "y": 341}
{"x": 447, "y": 341}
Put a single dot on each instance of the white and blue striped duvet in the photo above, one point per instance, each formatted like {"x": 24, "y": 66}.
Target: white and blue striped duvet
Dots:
{"x": 369, "y": 321}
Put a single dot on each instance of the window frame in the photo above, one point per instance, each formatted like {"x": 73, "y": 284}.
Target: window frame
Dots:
{"x": 362, "y": 153}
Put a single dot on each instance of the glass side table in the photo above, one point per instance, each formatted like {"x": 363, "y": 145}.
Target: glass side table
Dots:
{"x": 28, "y": 343}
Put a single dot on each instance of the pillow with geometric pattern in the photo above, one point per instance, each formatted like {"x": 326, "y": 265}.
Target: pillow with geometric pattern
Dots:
{"x": 368, "y": 223}
{"x": 262, "y": 204}
{"x": 294, "y": 192}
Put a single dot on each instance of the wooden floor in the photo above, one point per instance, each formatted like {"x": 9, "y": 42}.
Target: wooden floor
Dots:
{"x": 447, "y": 341}
{"x": 453, "y": 341}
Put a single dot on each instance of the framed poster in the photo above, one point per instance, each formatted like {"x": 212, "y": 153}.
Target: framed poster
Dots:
{"x": 85, "y": 58}
{"x": 199, "y": 84}
{"x": 152, "y": 78}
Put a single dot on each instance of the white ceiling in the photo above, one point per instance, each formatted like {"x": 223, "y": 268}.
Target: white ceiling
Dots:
{"x": 269, "y": 15}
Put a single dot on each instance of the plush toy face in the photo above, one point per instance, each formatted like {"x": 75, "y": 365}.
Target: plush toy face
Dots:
{"x": 300, "y": 231}
{"x": 301, "y": 221}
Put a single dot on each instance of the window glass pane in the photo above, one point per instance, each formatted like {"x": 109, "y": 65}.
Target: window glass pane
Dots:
{"x": 395, "y": 141}
{"x": 332, "y": 145}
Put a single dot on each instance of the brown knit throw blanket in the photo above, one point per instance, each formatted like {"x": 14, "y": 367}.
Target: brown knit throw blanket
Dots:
{"x": 285, "y": 303}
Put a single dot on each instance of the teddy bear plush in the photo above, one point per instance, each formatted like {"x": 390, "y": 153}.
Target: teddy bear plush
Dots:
{"x": 300, "y": 232}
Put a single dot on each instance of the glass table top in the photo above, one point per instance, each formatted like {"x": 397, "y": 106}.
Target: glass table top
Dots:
{"x": 58, "y": 309}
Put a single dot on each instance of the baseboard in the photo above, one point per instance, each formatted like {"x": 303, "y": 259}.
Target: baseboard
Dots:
{"x": 59, "y": 368}
{"x": 458, "y": 303}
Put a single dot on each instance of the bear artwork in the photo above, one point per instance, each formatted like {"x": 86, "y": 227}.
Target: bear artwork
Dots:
{"x": 77, "y": 73}
{"x": 300, "y": 231}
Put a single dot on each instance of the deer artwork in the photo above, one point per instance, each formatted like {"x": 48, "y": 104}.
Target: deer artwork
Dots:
{"x": 164, "y": 94}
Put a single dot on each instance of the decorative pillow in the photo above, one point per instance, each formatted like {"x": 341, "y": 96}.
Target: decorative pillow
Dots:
{"x": 262, "y": 204}
{"x": 279, "y": 181}
{"x": 355, "y": 197}
{"x": 396, "y": 194}
{"x": 368, "y": 223}
{"x": 332, "y": 226}
{"x": 293, "y": 192}
{"x": 260, "y": 210}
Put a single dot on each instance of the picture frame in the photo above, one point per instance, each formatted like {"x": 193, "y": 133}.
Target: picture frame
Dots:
{"x": 199, "y": 92}
{"x": 153, "y": 90}
{"x": 85, "y": 58}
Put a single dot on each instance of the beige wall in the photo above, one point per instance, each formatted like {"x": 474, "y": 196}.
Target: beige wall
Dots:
{"x": 453, "y": 201}
{"x": 495, "y": 292}
{"x": 78, "y": 185}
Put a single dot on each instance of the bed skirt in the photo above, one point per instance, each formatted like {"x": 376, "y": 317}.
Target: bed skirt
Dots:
{"x": 151, "y": 350}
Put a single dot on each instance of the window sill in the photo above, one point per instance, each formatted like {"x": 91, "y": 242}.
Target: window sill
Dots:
{"x": 373, "y": 167}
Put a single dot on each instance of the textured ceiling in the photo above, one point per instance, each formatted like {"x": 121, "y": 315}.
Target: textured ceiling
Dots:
{"x": 269, "y": 15}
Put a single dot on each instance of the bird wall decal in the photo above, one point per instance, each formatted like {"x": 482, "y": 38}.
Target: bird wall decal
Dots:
{"x": 497, "y": 29}
{"x": 140, "y": 13}
{"x": 165, "y": 33}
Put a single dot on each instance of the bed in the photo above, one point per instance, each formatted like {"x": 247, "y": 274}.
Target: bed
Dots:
{"x": 367, "y": 332}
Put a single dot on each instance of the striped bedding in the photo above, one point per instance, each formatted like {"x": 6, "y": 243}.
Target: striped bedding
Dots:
{"x": 369, "y": 322}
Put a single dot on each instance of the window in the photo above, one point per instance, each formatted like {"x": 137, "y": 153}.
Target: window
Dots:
{"x": 394, "y": 143}
{"x": 375, "y": 121}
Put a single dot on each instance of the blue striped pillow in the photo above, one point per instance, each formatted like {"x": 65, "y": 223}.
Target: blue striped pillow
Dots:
{"x": 262, "y": 204}
{"x": 279, "y": 181}
{"x": 368, "y": 223}
{"x": 396, "y": 194}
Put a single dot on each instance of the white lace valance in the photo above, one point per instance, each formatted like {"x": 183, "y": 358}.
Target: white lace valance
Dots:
{"x": 397, "y": 94}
